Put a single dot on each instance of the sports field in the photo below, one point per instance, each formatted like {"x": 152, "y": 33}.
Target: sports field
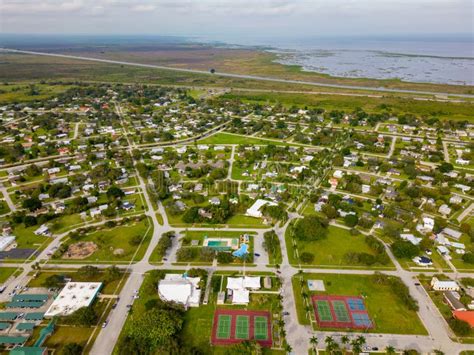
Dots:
{"x": 341, "y": 312}
{"x": 235, "y": 326}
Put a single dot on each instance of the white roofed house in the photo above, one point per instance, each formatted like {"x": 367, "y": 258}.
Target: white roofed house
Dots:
{"x": 411, "y": 238}
{"x": 43, "y": 230}
{"x": 451, "y": 233}
{"x": 444, "y": 210}
{"x": 255, "y": 209}
{"x": 427, "y": 226}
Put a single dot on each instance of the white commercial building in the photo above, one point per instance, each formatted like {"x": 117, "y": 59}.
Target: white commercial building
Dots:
{"x": 73, "y": 296}
{"x": 254, "y": 210}
{"x": 6, "y": 242}
{"x": 240, "y": 288}
{"x": 438, "y": 285}
{"x": 180, "y": 289}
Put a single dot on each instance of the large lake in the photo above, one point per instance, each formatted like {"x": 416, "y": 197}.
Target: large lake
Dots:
{"x": 447, "y": 60}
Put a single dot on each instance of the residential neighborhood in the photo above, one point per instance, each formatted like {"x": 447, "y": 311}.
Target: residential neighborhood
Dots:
{"x": 236, "y": 226}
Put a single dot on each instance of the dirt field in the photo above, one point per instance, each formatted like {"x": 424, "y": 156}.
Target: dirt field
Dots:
{"x": 80, "y": 250}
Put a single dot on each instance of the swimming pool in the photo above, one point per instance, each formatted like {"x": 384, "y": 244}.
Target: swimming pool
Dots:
{"x": 217, "y": 243}
{"x": 242, "y": 251}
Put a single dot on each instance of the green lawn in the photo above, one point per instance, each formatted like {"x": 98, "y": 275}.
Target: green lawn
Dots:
{"x": 457, "y": 261}
{"x": 22, "y": 92}
{"x": 4, "y": 207}
{"x": 241, "y": 221}
{"x": 231, "y": 138}
{"x": 64, "y": 334}
{"x": 329, "y": 252}
{"x": 65, "y": 223}
{"x": 26, "y": 239}
{"x": 109, "y": 288}
{"x": 109, "y": 240}
{"x": 385, "y": 309}
{"x": 6, "y": 272}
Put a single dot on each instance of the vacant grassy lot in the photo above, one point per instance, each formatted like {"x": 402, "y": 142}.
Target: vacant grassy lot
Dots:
{"x": 116, "y": 245}
{"x": 330, "y": 252}
{"x": 26, "y": 239}
{"x": 231, "y": 138}
{"x": 6, "y": 272}
{"x": 385, "y": 309}
{"x": 15, "y": 93}
{"x": 396, "y": 105}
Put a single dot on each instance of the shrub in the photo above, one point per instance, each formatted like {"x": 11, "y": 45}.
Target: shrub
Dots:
{"x": 306, "y": 257}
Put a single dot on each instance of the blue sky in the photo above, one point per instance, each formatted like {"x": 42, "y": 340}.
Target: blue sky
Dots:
{"x": 223, "y": 18}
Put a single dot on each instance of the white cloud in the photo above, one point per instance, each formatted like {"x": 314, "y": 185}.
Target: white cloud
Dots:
{"x": 143, "y": 8}
{"x": 247, "y": 17}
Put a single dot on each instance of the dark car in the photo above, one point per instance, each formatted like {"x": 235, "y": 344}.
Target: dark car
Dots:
{"x": 257, "y": 254}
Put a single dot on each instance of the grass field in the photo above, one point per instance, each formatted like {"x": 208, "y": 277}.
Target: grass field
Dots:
{"x": 329, "y": 252}
{"x": 22, "y": 92}
{"x": 6, "y": 272}
{"x": 110, "y": 239}
{"x": 109, "y": 288}
{"x": 388, "y": 313}
{"x": 397, "y": 105}
{"x": 231, "y": 138}
{"x": 64, "y": 335}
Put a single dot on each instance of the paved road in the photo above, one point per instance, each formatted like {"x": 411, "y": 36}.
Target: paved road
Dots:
{"x": 237, "y": 76}
{"x": 466, "y": 212}
{"x": 297, "y": 335}
{"x": 446, "y": 151}
{"x": 7, "y": 198}
{"x": 392, "y": 147}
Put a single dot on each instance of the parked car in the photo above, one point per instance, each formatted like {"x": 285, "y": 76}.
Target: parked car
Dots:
{"x": 105, "y": 324}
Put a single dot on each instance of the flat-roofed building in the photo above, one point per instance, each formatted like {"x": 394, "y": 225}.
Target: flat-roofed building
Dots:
{"x": 73, "y": 296}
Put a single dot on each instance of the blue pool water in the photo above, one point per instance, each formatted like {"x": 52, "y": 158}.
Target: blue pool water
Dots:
{"x": 242, "y": 251}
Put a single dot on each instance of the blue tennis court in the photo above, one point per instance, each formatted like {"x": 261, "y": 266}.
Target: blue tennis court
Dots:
{"x": 355, "y": 304}
{"x": 362, "y": 320}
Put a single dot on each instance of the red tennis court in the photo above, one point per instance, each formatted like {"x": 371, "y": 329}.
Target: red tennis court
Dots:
{"x": 234, "y": 326}
{"x": 341, "y": 312}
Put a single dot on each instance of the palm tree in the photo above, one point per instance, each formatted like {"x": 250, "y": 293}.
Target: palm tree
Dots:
{"x": 330, "y": 344}
{"x": 304, "y": 295}
{"x": 390, "y": 350}
{"x": 361, "y": 340}
{"x": 345, "y": 341}
{"x": 356, "y": 346}
{"x": 314, "y": 342}
{"x": 288, "y": 348}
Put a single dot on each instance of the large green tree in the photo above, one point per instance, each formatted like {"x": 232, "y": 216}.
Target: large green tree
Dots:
{"x": 310, "y": 228}
{"x": 155, "y": 328}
